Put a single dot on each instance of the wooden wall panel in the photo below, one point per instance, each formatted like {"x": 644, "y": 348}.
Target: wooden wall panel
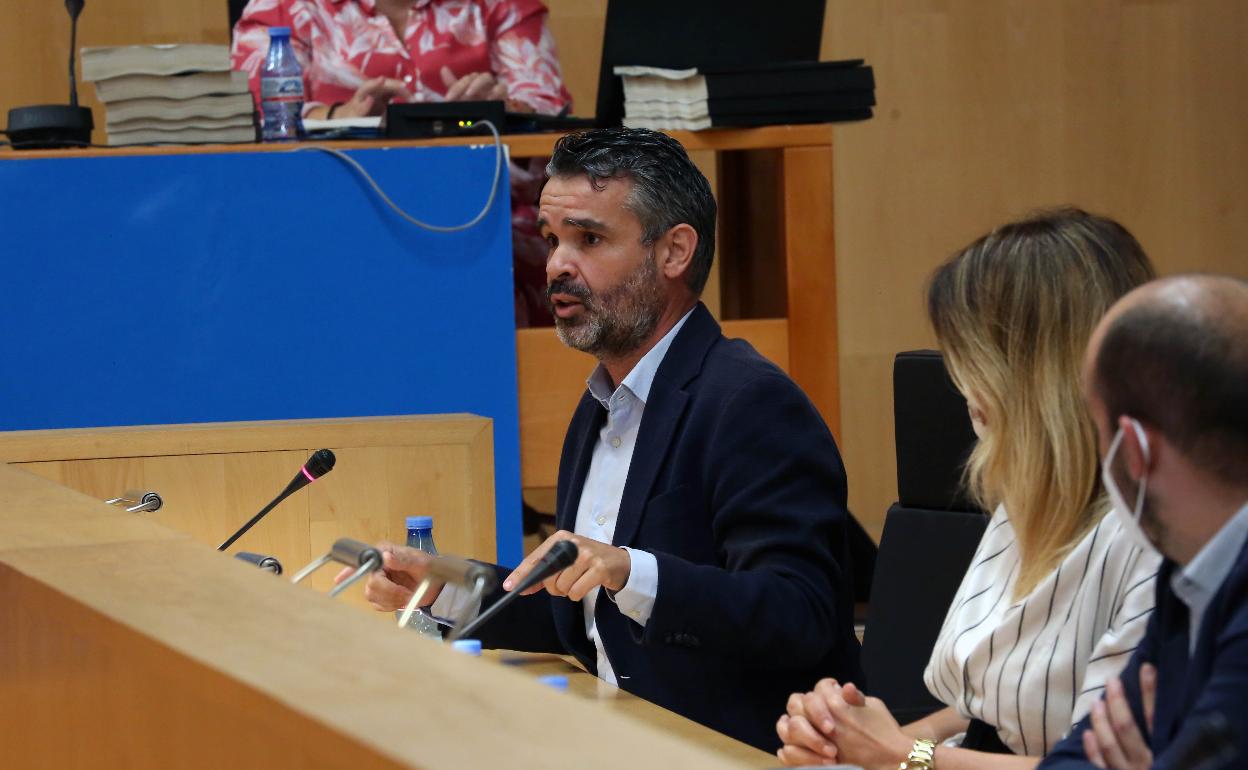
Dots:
{"x": 577, "y": 26}
{"x": 987, "y": 110}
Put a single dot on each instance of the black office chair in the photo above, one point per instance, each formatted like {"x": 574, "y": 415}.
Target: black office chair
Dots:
{"x": 930, "y": 534}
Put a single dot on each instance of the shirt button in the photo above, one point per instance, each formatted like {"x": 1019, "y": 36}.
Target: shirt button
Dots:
{"x": 615, "y": 442}
{"x": 601, "y": 520}
{"x": 407, "y": 78}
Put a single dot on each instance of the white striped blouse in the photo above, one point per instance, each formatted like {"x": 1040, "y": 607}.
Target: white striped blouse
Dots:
{"x": 1033, "y": 668}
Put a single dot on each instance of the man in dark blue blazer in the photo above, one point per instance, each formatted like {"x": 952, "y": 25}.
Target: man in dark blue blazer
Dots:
{"x": 703, "y": 490}
{"x": 1167, "y": 383}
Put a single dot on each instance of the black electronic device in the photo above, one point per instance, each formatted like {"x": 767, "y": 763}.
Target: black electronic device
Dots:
{"x": 434, "y": 119}
{"x": 47, "y": 126}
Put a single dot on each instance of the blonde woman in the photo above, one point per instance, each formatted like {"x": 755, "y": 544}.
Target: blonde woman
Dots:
{"x": 1056, "y": 596}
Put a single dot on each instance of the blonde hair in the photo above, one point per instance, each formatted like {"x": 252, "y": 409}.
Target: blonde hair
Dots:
{"x": 1013, "y": 312}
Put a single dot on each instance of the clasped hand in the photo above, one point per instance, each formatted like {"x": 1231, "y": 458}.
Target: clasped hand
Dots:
{"x": 840, "y": 724}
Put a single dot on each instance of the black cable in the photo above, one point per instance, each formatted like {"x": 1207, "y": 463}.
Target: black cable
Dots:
{"x": 499, "y": 158}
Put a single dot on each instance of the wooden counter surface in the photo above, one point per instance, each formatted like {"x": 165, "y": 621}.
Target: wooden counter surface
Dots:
{"x": 520, "y": 145}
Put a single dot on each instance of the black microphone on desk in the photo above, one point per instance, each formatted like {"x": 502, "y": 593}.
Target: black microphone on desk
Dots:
{"x": 559, "y": 557}
{"x": 55, "y": 125}
{"x": 320, "y": 463}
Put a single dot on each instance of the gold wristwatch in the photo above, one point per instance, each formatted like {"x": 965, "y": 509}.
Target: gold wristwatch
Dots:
{"x": 922, "y": 756}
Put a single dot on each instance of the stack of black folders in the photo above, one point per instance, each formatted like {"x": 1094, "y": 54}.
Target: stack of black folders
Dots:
{"x": 760, "y": 95}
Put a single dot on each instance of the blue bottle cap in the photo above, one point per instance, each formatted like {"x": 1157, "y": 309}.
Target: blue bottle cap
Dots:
{"x": 420, "y": 522}
{"x": 555, "y": 681}
{"x": 469, "y": 646}
{"x": 279, "y": 32}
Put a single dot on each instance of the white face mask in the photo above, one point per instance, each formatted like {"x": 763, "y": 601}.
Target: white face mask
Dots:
{"x": 1129, "y": 518}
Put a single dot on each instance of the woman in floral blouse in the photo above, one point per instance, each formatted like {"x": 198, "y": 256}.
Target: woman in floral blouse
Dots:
{"x": 359, "y": 55}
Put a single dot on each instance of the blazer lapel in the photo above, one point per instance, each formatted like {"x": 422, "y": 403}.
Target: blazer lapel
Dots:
{"x": 1172, "y": 686}
{"x": 658, "y": 425}
{"x": 664, "y": 409}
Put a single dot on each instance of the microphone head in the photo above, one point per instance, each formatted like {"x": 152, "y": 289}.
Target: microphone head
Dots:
{"x": 321, "y": 462}
{"x": 562, "y": 555}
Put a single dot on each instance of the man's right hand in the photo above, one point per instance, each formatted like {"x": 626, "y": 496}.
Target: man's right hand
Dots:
{"x": 391, "y": 587}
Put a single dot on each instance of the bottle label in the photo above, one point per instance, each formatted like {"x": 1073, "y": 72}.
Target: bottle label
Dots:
{"x": 286, "y": 89}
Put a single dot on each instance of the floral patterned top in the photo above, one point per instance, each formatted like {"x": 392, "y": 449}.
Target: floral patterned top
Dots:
{"x": 342, "y": 43}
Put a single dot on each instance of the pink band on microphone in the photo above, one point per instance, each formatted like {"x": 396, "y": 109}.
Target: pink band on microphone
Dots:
{"x": 309, "y": 475}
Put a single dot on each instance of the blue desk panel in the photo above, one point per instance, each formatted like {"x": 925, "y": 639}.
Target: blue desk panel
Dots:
{"x": 259, "y": 286}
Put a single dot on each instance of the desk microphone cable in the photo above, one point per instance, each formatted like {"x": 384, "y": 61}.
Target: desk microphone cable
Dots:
{"x": 354, "y": 164}
{"x": 489, "y": 203}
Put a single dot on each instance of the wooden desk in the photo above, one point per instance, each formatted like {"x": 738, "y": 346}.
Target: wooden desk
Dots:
{"x": 586, "y": 686}
{"x": 125, "y": 644}
{"x": 213, "y": 476}
{"x": 804, "y": 341}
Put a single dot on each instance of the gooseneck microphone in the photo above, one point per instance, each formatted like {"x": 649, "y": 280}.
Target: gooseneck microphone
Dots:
{"x": 74, "y": 7}
{"x": 54, "y": 125}
{"x": 559, "y": 557}
{"x": 263, "y": 561}
{"x": 320, "y": 463}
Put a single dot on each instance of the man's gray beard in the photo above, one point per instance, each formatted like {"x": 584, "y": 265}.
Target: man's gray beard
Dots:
{"x": 619, "y": 321}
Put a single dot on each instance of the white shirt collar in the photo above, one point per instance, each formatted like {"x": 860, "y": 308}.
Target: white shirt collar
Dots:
{"x": 1203, "y": 576}
{"x": 639, "y": 380}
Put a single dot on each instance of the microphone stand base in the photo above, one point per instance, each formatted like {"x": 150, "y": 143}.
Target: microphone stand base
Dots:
{"x": 49, "y": 126}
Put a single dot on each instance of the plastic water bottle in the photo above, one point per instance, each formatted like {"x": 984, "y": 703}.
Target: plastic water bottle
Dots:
{"x": 281, "y": 90}
{"x": 420, "y": 537}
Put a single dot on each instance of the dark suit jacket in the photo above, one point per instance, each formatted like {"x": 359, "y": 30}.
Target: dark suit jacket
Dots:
{"x": 736, "y": 486}
{"x": 1214, "y": 679}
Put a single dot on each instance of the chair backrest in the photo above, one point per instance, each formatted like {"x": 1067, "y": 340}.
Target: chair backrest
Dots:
{"x": 929, "y": 536}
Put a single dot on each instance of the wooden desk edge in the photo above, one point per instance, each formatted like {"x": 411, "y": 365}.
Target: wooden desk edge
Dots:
{"x": 244, "y": 436}
{"x": 520, "y": 145}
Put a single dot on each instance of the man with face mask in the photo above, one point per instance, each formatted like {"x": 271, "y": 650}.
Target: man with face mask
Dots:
{"x": 703, "y": 490}
{"x": 1167, "y": 384}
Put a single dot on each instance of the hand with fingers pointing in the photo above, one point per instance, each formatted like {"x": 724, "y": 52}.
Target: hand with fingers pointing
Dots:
{"x": 597, "y": 565}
